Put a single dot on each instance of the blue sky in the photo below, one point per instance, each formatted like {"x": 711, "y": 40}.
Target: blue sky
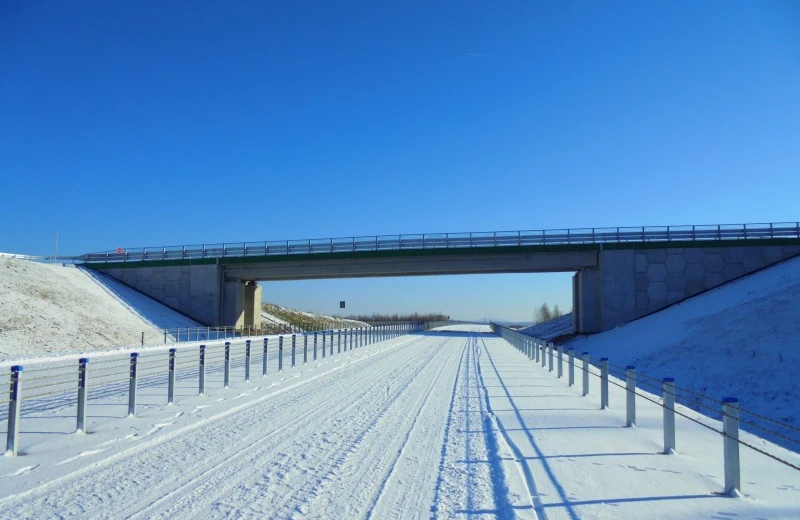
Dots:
{"x": 127, "y": 124}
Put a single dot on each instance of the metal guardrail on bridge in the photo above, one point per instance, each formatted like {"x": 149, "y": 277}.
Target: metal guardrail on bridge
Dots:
{"x": 552, "y": 237}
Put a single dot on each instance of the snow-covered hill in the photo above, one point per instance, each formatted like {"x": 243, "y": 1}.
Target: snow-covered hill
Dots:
{"x": 47, "y": 308}
{"x": 740, "y": 340}
{"x": 551, "y": 329}
{"x": 58, "y": 308}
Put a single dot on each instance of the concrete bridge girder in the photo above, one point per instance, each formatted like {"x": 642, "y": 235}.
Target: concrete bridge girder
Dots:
{"x": 415, "y": 266}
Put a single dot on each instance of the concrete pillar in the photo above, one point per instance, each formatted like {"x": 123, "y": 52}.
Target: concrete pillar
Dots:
{"x": 241, "y": 304}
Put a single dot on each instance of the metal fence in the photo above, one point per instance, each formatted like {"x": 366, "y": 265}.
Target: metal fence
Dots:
{"x": 552, "y": 237}
{"x": 49, "y": 387}
{"x": 555, "y": 358}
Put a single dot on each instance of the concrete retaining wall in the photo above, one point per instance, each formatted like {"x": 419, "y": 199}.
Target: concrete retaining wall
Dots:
{"x": 629, "y": 284}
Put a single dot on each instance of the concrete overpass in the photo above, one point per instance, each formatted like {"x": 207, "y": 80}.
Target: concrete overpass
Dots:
{"x": 621, "y": 273}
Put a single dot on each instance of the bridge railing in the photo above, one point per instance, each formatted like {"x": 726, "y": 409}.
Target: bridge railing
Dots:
{"x": 551, "y": 237}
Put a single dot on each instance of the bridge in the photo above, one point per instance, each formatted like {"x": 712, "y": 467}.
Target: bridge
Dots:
{"x": 621, "y": 273}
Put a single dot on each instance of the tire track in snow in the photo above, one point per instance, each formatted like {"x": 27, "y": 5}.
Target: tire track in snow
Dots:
{"x": 152, "y": 466}
{"x": 499, "y": 487}
{"x": 511, "y": 447}
{"x": 217, "y": 481}
{"x": 393, "y": 469}
{"x": 330, "y": 494}
{"x": 447, "y": 437}
{"x": 466, "y": 486}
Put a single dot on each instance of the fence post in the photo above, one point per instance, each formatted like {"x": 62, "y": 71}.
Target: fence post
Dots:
{"x": 331, "y": 342}
{"x": 247, "y": 360}
{"x": 171, "y": 381}
{"x": 315, "y": 346}
{"x": 550, "y": 357}
{"x": 227, "y": 382}
{"x": 132, "y": 385}
{"x": 560, "y": 361}
{"x": 201, "y": 374}
{"x": 585, "y": 358}
{"x": 324, "y": 347}
{"x": 81, "y": 416}
{"x": 544, "y": 354}
{"x": 14, "y": 405}
{"x": 571, "y": 360}
{"x": 339, "y": 341}
{"x": 630, "y": 401}
{"x": 730, "y": 433}
{"x": 280, "y": 353}
{"x": 294, "y": 341}
{"x": 603, "y": 383}
{"x": 668, "y": 385}
{"x": 536, "y": 351}
{"x": 264, "y": 359}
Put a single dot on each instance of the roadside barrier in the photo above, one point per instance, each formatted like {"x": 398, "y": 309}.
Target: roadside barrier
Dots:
{"x": 649, "y": 388}
{"x": 50, "y": 384}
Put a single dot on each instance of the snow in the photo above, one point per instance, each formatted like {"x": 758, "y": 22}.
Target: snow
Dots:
{"x": 446, "y": 424}
{"x": 740, "y": 340}
{"x": 58, "y": 308}
{"x": 433, "y": 425}
{"x": 552, "y": 329}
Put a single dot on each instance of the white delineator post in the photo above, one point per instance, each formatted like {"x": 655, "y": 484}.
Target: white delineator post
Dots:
{"x": 280, "y": 353}
{"x": 668, "y": 386}
{"x": 132, "y": 384}
{"x": 603, "y": 383}
{"x": 80, "y": 426}
{"x": 247, "y": 360}
{"x": 14, "y": 405}
{"x": 227, "y": 382}
{"x": 201, "y": 372}
{"x": 171, "y": 380}
{"x": 630, "y": 401}
{"x": 730, "y": 432}
{"x": 571, "y": 360}
{"x": 585, "y": 359}
{"x": 560, "y": 361}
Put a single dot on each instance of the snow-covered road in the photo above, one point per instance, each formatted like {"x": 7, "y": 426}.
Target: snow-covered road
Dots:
{"x": 392, "y": 432}
{"x": 431, "y": 425}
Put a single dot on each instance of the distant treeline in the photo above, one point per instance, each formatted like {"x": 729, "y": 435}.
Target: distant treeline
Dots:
{"x": 399, "y": 317}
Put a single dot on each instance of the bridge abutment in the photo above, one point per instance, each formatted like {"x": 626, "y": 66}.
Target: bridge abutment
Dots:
{"x": 198, "y": 291}
{"x": 630, "y": 284}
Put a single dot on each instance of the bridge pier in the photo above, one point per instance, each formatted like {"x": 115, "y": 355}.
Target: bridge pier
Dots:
{"x": 241, "y": 304}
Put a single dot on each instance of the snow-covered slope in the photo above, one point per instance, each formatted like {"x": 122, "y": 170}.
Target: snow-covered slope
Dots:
{"x": 46, "y": 308}
{"x": 272, "y": 314}
{"x": 552, "y": 328}
{"x": 57, "y": 308}
{"x": 740, "y": 340}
